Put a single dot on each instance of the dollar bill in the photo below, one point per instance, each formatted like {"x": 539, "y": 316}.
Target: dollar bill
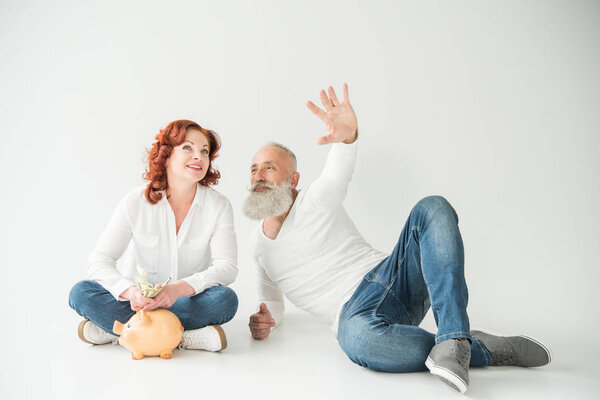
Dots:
{"x": 147, "y": 289}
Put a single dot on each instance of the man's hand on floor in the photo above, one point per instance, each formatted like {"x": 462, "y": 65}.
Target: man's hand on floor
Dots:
{"x": 261, "y": 323}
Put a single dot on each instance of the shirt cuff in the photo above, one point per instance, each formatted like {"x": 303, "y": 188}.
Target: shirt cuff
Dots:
{"x": 197, "y": 282}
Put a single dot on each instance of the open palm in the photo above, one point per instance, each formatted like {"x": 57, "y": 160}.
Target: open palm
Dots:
{"x": 338, "y": 116}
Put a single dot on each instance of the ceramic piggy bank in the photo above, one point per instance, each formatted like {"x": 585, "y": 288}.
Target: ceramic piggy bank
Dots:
{"x": 150, "y": 333}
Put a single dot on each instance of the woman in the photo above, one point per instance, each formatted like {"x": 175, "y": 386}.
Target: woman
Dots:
{"x": 175, "y": 226}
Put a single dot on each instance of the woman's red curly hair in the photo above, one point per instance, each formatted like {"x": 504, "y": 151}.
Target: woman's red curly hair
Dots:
{"x": 171, "y": 136}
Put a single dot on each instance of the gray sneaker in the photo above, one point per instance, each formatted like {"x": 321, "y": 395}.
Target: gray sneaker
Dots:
{"x": 520, "y": 350}
{"x": 449, "y": 361}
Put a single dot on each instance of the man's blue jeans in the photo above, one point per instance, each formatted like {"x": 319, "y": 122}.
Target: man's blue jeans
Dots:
{"x": 214, "y": 306}
{"x": 378, "y": 327}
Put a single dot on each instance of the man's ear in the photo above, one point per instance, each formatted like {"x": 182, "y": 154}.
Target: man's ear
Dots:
{"x": 294, "y": 179}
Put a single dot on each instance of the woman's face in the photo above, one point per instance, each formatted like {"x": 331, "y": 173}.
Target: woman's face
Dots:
{"x": 190, "y": 160}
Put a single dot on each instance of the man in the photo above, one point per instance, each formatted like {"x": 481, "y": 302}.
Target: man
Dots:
{"x": 307, "y": 248}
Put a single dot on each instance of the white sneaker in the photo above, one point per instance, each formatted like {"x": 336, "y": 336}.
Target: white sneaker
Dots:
{"x": 90, "y": 333}
{"x": 209, "y": 338}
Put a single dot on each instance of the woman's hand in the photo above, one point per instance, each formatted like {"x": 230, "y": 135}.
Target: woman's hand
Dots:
{"x": 137, "y": 300}
{"x": 169, "y": 295}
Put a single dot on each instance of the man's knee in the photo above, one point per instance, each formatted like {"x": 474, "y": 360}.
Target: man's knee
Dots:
{"x": 435, "y": 207}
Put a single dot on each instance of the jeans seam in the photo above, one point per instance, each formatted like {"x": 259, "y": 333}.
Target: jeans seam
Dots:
{"x": 433, "y": 309}
{"x": 386, "y": 286}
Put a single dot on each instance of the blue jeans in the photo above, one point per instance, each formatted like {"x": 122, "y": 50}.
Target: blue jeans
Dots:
{"x": 379, "y": 325}
{"x": 214, "y": 306}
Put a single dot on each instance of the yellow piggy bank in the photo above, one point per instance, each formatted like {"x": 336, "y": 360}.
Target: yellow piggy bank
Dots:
{"x": 150, "y": 333}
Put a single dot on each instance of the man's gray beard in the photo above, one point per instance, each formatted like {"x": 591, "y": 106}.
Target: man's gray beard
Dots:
{"x": 268, "y": 203}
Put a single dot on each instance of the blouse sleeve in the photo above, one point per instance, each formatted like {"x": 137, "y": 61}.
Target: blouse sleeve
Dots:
{"x": 102, "y": 266}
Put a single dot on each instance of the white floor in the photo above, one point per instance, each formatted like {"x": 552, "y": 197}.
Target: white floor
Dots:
{"x": 301, "y": 360}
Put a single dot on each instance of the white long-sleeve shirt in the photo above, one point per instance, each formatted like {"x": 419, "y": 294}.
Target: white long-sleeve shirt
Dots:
{"x": 203, "y": 253}
{"x": 318, "y": 258}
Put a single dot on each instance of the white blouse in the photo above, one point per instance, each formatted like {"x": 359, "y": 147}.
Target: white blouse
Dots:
{"x": 203, "y": 253}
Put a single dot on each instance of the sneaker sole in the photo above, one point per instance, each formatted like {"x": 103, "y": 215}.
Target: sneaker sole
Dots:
{"x": 222, "y": 336}
{"x": 536, "y": 341}
{"x": 447, "y": 376}
{"x": 80, "y": 331}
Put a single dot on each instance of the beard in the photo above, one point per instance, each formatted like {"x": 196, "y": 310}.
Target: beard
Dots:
{"x": 268, "y": 203}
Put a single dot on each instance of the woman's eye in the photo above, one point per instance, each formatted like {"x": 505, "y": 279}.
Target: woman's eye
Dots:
{"x": 187, "y": 147}
{"x": 204, "y": 151}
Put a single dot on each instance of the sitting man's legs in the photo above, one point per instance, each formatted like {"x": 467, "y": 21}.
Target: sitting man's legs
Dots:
{"x": 379, "y": 324}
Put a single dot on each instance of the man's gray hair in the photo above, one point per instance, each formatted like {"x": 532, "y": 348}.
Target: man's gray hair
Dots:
{"x": 290, "y": 153}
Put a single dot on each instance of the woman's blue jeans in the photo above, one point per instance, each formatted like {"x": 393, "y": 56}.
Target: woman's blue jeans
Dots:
{"x": 379, "y": 325}
{"x": 214, "y": 306}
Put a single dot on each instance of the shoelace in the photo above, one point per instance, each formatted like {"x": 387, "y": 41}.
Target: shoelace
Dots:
{"x": 503, "y": 354}
{"x": 459, "y": 352}
{"x": 193, "y": 341}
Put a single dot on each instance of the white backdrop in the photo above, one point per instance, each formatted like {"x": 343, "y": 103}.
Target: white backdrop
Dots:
{"x": 492, "y": 104}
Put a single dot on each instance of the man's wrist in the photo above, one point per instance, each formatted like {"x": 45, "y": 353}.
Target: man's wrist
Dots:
{"x": 353, "y": 139}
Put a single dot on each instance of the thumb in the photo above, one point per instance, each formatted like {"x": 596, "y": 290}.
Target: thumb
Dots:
{"x": 264, "y": 309}
{"x": 324, "y": 140}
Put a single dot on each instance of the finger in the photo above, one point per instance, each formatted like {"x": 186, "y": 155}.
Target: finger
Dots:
{"x": 260, "y": 334}
{"x": 261, "y": 318}
{"x": 263, "y": 308}
{"x": 261, "y": 325}
{"x": 149, "y": 306}
{"x": 346, "y": 97}
{"x": 332, "y": 96}
{"x": 316, "y": 110}
{"x": 145, "y": 303}
{"x": 325, "y": 100}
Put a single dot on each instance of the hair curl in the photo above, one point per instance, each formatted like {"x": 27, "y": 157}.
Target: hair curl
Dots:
{"x": 171, "y": 136}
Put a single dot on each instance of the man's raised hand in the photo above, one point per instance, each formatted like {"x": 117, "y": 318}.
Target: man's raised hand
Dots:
{"x": 339, "y": 117}
{"x": 261, "y": 323}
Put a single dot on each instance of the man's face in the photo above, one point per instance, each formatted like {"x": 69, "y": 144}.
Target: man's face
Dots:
{"x": 272, "y": 182}
{"x": 272, "y": 165}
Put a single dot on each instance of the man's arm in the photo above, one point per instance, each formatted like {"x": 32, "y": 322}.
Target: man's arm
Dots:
{"x": 271, "y": 306}
{"x": 342, "y": 131}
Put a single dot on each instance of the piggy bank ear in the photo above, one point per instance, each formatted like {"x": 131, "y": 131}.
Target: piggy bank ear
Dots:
{"x": 118, "y": 327}
{"x": 144, "y": 318}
